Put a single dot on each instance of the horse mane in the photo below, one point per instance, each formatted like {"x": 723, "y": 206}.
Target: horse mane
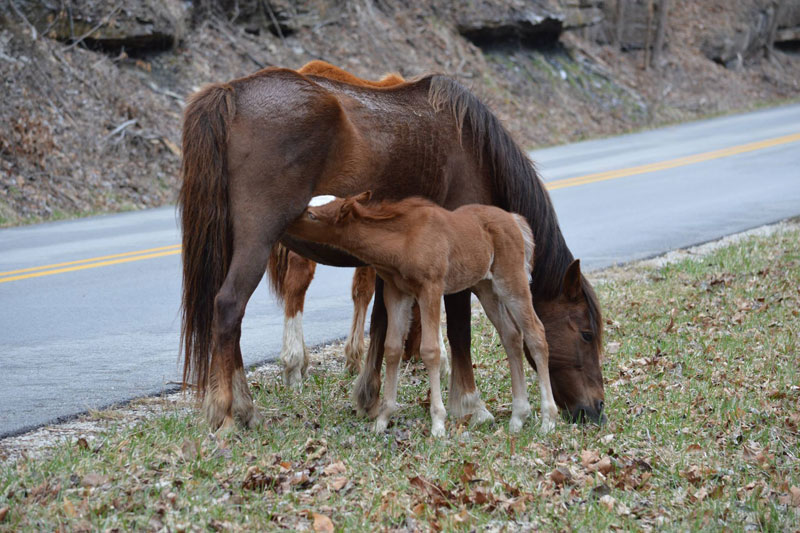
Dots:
{"x": 387, "y": 210}
{"x": 516, "y": 187}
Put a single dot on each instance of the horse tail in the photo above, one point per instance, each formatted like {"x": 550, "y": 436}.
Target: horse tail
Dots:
{"x": 527, "y": 237}
{"x": 205, "y": 222}
{"x": 277, "y": 269}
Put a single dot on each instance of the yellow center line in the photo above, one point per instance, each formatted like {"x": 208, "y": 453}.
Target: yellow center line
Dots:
{"x": 127, "y": 257}
{"x": 671, "y": 163}
{"x": 92, "y": 265}
{"x": 91, "y": 260}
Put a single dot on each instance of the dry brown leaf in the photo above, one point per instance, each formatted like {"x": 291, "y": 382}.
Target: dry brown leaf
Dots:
{"x": 608, "y": 501}
{"x": 322, "y": 523}
{"x": 589, "y": 457}
{"x": 94, "y": 480}
{"x": 418, "y": 509}
{"x": 560, "y": 475}
{"x": 604, "y": 466}
{"x": 334, "y": 468}
{"x": 3, "y": 513}
{"x": 82, "y": 443}
{"x": 467, "y": 472}
{"x": 694, "y": 448}
{"x": 189, "y": 450}
{"x": 693, "y": 474}
{"x": 69, "y": 509}
{"x": 612, "y": 348}
{"x": 795, "y": 493}
{"x": 338, "y": 483}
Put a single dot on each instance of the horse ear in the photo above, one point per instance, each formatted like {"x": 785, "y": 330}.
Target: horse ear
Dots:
{"x": 363, "y": 197}
{"x": 572, "y": 281}
{"x": 345, "y": 209}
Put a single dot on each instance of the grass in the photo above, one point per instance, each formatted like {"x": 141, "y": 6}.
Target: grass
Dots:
{"x": 702, "y": 389}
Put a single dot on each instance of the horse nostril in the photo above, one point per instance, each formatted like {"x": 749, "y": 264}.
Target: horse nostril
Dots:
{"x": 600, "y": 404}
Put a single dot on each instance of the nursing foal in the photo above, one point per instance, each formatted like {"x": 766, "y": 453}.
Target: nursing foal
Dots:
{"x": 423, "y": 251}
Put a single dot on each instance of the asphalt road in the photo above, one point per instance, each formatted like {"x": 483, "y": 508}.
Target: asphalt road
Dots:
{"x": 100, "y": 329}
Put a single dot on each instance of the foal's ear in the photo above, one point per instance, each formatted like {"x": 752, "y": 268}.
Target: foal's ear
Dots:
{"x": 363, "y": 197}
{"x": 572, "y": 281}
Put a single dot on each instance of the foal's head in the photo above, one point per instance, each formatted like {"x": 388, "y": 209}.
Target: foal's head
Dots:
{"x": 574, "y": 335}
{"x": 326, "y": 211}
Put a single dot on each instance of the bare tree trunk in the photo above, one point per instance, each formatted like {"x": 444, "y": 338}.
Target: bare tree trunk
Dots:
{"x": 619, "y": 15}
{"x": 775, "y": 10}
{"x": 647, "y": 39}
{"x": 661, "y": 28}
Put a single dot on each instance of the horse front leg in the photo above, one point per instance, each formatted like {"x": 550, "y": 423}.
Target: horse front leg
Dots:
{"x": 398, "y": 310}
{"x": 429, "y": 351}
{"x": 294, "y": 355}
{"x": 362, "y": 290}
{"x": 464, "y": 398}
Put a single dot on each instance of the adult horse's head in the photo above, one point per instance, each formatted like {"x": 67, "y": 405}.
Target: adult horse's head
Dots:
{"x": 574, "y": 327}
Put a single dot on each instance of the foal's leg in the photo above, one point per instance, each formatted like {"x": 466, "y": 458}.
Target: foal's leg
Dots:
{"x": 511, "y": 337}
{"x": 362, "y": 290}
{"x": 430, "y": 315}
{"x": 398, "y": 309}
{"x": 294, "y": 354}
{"x": 464, "y": 398}
{"x": 516, "y": 294}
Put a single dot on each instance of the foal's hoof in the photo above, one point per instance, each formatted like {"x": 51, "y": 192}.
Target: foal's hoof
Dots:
{"x": 548, "y": 425}
{"x": 437, "y": 429}
{"x": 515, "y": 425}
{"x": 380, "y": 425}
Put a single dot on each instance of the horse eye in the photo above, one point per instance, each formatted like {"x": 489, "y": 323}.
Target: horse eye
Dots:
{"x": 587, "y": 336}
{"x": 312, "y": 216}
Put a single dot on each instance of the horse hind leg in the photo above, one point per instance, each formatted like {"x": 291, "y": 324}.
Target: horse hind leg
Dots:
{"x": 368, "y": 385}
{"x": 362, "y": 290}
{"x": 511, "y": 337}
{"x": 294, "y": 354}
{"x": 228, "y": 397}
{"x": 464, "y": 398}
{"x": 521, "y": 309}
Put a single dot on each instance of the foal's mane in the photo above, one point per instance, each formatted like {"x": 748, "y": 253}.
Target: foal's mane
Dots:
{"x": 516, "y": 187}
{"x": 386, "y": 210}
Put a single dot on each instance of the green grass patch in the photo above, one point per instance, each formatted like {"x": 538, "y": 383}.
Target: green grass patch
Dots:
{"x": 702, "y": 391}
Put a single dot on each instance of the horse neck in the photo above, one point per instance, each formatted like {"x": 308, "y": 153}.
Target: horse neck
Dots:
{"x": 364, "y": 239}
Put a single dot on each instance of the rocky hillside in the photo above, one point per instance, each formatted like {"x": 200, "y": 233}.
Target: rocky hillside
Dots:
{"x": 93, "y": 90}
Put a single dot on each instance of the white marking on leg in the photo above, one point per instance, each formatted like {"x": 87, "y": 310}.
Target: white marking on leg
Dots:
{"x": 293, "y": 352}
{"x": 444, "y": 359}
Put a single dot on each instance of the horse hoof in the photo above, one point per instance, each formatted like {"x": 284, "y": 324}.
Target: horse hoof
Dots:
{"x": 514, "y": 425}
{"x": 437, "y": 429}
{"x": 481, "y": 416}
{"x": 548, "y": 425}
{"x": 380, "y": 425}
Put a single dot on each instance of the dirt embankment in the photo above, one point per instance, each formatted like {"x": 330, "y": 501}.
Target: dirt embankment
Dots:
{"x": 94, "y": 90}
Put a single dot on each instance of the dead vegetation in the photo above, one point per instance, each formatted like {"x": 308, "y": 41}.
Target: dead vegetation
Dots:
{"x": 94, "y": 91}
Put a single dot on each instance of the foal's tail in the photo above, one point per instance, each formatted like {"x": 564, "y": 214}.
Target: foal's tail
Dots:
{"x": 205, "y": 222}
{"x": 527, "y": 236}
{"x": 277, "y": 269}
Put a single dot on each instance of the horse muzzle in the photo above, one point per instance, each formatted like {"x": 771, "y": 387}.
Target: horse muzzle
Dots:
{"x": 589, "y": 413}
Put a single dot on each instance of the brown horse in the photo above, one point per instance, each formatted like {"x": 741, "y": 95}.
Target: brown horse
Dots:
{"x": 423, "y": 251}
{"x": 257, "y": 149}
{"x": 291, "y": 274}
